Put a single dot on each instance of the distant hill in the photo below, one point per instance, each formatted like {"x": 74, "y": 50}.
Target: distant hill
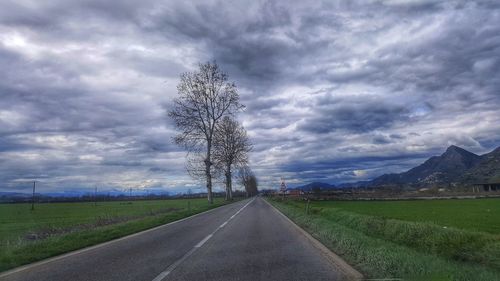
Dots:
{"x": 488, "y": 170}
{"x": 310, "y": 186}
{"x": 446, "y": 168}
{"x": 353, "y": 184}
{"x": 455, "y": 166}
{"x": 14, "y": 194}
{"x": 11, "y": 196}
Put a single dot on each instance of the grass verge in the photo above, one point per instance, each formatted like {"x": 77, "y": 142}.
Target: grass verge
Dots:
{"x": 16, "y": 255}
{"x": 391, "y": 249}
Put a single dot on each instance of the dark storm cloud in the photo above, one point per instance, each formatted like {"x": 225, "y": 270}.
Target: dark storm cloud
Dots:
{"x": 335, "y": 90}
{"x": 381, "y": 139}
{"x": 353, "y": 115}
{"x": 244, "y": 46}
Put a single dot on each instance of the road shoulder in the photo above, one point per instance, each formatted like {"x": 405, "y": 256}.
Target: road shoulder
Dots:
{"x": 347, "y": 270}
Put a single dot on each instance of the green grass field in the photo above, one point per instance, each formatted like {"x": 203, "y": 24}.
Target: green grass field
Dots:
{"x": 415, "y": 240}
{"x": 70, "y": 226}
{"x": 16, "y": 220}
{"x": 469, "y": 214}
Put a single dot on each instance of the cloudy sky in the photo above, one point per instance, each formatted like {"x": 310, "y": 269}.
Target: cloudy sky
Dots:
{"x": 335, "y": 91}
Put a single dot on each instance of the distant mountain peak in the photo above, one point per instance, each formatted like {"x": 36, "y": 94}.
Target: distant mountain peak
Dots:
{"x": 447, "y": 167}
{"x": 455, "y": 165}
{"x": 456, "y": 149}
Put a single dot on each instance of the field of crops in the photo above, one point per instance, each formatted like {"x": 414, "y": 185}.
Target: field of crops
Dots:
{"x": 54, "y": 228}
{"x": 415, "y": 240}
{"x": 469, "y": 214}
{"x": 17, "y": 220}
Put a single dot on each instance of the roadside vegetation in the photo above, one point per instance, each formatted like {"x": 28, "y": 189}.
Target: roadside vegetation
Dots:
{"x": 54, "y": 228}
{"x": 416, "y": 248}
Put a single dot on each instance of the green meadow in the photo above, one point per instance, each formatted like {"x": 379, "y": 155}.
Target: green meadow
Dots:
{"x": 414, "y": 240}
{"x": 468, "y": 214}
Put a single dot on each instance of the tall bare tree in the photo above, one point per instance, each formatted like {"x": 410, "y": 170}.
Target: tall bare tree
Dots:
{"x": 204, "y": 98}
{"x": 248, "y": 180}
{"x": 231, "y": 148}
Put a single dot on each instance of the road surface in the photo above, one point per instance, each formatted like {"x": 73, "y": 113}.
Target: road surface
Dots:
{"x": 247, "y": 240}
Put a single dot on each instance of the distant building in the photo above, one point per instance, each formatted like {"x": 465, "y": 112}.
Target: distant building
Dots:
{"x": 491, "y": 186}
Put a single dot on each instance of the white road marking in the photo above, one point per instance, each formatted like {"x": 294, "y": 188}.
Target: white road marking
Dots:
{"x": 161, "y": 276}
{"x": 169, "y": 269}
{"x": 203, "y": 241}
{"x": 56, "y": 258}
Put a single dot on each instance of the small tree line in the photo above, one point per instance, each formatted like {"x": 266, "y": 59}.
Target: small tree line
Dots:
{"x": 248, "y": 180}
{"x": 204, "y": 112}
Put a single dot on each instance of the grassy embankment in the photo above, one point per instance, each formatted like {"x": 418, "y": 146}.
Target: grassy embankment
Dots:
{"x": 415, "y": 240}
{"x": 55, "y": 228}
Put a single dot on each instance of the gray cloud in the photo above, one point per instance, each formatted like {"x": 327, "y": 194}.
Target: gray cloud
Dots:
{"x": 353, "y": 115}
{"x": 335, "y": 90}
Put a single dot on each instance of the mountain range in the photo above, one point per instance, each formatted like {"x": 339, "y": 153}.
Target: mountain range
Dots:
{"x": 446, "y": 168}
{"x": 455, "y": 167}
{"x": 313, "y": 185}
{"x": 488, "y": 169}
{"x": 72, "y": 194}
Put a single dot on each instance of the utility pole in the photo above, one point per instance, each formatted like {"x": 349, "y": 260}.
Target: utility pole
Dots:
{"x": 95, "y": 196}
{"x": 33, "y": 197}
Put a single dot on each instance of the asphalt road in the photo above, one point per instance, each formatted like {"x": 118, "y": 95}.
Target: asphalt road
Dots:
{"x": 247, "y": 240}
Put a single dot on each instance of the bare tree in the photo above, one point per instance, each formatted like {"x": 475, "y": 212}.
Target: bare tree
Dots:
{"x": 204, "y": 97}
{"x": 231, "y": 147}
{"x": 252, "y": 188}
{"x": 248, "y": 180}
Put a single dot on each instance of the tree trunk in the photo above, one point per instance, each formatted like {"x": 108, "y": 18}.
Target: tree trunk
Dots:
{"x": 208, "y": 174}
{"x": 209, "y": 184}
{"x": 229, "y": 188}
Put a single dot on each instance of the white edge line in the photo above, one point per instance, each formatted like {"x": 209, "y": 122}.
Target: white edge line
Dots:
{"x": 161, "y": 276}
{"x": 76, "y": 252}
{"x": 171, "y": 268}
{"x": 203, "y": 241}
